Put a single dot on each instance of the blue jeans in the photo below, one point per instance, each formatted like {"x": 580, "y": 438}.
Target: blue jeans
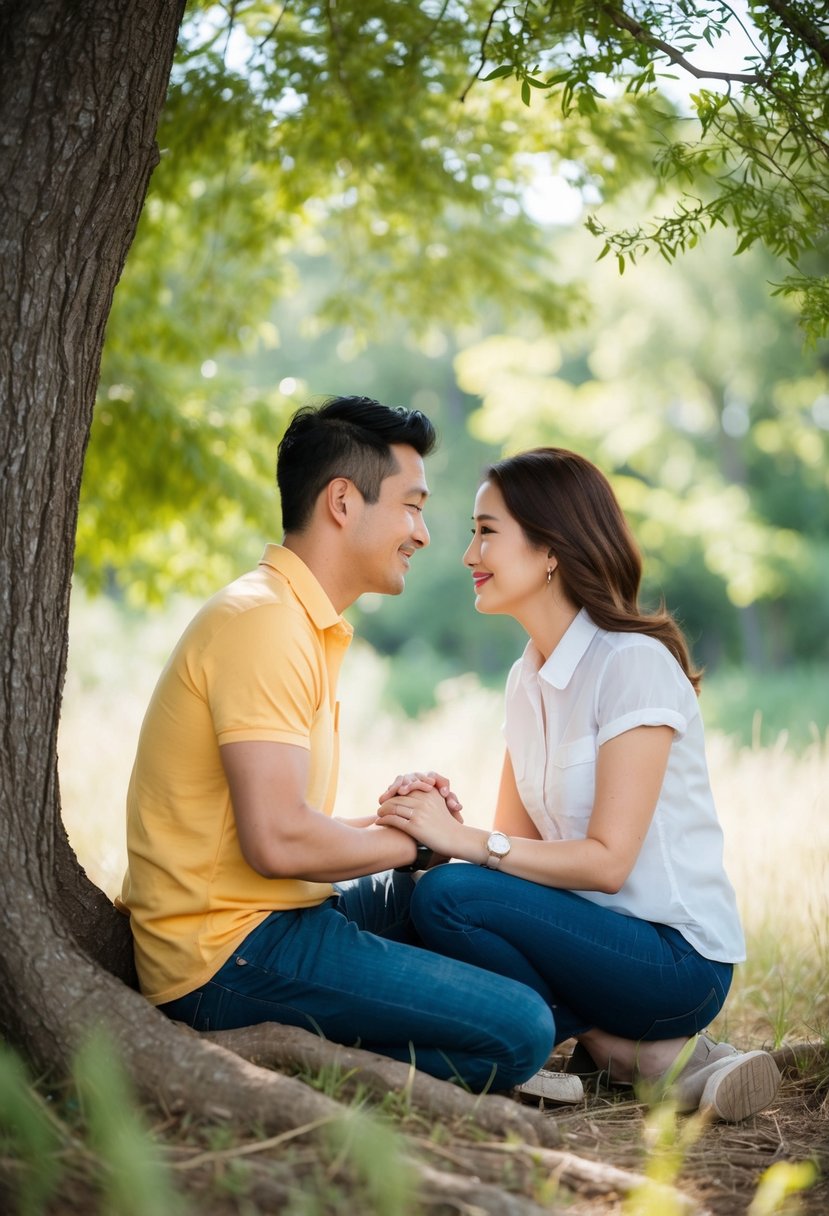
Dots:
{"x": 594, "y": 967}
{"x": 347, "y": 970}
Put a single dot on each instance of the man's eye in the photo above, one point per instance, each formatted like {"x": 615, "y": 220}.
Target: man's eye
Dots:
{"x": 413, "y": 506}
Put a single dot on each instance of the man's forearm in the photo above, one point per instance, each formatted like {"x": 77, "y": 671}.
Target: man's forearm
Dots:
{"x": 330, "y": 850}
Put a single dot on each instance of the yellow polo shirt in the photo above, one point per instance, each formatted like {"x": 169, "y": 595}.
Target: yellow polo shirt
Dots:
{"x": 259, "y": 661}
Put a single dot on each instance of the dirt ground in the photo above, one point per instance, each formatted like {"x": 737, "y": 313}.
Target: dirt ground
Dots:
{"x": 719, "y": 1174}
{"x": 722, "y": 1169}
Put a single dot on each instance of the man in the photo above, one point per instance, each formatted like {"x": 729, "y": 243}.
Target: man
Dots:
{"x": 233, "y": 850}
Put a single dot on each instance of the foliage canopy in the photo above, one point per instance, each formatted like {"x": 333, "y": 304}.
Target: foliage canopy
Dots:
{"x": 397, "y": 145}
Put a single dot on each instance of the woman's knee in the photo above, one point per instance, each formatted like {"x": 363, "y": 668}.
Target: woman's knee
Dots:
{"x": 441, "y": 895}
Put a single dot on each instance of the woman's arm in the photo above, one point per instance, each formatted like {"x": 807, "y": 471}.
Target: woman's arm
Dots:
{"x": 630, "y": 770}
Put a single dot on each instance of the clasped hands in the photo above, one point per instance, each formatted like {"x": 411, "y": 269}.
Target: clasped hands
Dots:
{"x": 424, "y": 806}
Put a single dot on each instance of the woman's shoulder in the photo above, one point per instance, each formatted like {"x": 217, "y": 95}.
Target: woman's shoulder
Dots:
{"x": 620, "y": 643}
{"x": 631, "y": 653}
{"x": 640, "y": 658}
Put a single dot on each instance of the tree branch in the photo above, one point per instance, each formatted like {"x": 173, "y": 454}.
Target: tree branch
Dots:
{"x": 643, "y": 36}
{"x": 484, "y": 40}
{"x": 805, "y": 31}
{"x": 267, "y": 37}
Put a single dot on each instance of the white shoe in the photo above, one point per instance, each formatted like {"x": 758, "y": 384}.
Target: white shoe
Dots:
{"x": 720, "y": 1080}
{"x": 562, "y": 1087}
{"x": 741, "y": 1088}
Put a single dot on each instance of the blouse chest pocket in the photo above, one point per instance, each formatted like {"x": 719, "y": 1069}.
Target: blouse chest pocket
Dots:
{"x": 571, "y": 783}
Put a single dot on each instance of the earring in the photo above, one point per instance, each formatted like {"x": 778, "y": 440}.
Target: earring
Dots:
{"x": 549, "y": 577}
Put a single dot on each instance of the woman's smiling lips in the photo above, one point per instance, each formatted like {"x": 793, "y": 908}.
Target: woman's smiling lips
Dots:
{"x": 480, "y": 579}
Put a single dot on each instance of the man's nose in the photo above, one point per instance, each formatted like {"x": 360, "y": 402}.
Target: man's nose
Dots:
{"x": 421, "y": 533}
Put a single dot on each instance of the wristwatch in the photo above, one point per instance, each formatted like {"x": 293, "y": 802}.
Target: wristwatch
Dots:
{"x": 497, "y": 847}
{"x": 422, "y": 858}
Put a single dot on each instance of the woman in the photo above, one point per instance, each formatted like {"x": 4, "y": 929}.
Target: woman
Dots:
{"x": 602, "y": 885}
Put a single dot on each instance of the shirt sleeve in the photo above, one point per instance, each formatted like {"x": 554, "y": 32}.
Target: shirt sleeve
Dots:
{"x": 642, "y": 685}
{"x": 263, "y": 677}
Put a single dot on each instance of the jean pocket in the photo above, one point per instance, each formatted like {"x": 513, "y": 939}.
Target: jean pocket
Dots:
{"x": 691, "y": 1022}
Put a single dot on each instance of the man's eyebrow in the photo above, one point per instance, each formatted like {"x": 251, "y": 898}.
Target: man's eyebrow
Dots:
{"x": 419, "y": 491}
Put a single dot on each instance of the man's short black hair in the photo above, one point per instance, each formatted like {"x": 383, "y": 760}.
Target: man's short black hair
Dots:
{"x": 343, "y": 437}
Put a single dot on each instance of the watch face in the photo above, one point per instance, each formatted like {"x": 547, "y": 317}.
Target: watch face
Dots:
{"x": 498, "y": 844}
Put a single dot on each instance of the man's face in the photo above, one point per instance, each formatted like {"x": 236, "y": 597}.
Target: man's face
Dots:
{"x": 387, "y": 533}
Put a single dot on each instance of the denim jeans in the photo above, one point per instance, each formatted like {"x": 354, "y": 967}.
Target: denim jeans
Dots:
{"x": 595, "y": 967}
{"x": 347, "y": 970}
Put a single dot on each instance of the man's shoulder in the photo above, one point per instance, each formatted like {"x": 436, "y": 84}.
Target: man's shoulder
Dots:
{"x": 261, "y": 588}
{"x": 257, "y": 604}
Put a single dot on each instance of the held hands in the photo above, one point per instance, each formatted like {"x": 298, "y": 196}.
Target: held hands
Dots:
{"x": 424, "y": 815}
{"x": 405, "y": 784}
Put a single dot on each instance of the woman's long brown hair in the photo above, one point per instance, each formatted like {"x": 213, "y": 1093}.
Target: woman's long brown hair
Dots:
{"x": 565, "y": 504}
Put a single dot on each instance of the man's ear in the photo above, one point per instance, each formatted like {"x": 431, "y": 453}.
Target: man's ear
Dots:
{"x": 339, "y": 499}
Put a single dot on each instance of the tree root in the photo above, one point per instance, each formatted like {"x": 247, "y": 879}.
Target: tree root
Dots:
{"x": 578, "y": 1174}
{"x": 469, "y": 1194}
{"x": 796, "y": 1059}
{"x": 270, "y": 1045}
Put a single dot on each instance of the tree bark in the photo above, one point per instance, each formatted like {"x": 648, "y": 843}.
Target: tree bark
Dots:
{"x": 80, "y": 95}
{"x": 81, "y": 90}
{"x": 273, "y": 1046}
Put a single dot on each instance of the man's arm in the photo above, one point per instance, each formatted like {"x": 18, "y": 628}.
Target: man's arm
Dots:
{"x": 281, "y": 836}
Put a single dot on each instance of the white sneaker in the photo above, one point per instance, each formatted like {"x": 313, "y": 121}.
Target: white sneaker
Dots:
{"x": 741, "y": 1087}
{"x": 718, "y": 1079}
{"x": 562, "y": 1087}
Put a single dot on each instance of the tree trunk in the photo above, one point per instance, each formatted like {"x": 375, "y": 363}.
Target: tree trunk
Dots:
{"x": 81, "y": 89}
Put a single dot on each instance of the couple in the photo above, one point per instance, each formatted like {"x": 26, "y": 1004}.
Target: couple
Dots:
{"x": 597, "y": 908}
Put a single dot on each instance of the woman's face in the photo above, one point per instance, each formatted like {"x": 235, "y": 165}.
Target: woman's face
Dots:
{"x": 509, "y": 574}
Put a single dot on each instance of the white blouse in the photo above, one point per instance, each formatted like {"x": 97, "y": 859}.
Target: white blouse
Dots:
{"x": 594, "y": 686}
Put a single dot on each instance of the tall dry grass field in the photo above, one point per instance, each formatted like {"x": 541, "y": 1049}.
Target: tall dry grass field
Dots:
{"x": 774, "y": 803}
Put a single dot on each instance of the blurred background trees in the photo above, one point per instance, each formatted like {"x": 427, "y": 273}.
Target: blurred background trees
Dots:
{"x": 329, "y": 217}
